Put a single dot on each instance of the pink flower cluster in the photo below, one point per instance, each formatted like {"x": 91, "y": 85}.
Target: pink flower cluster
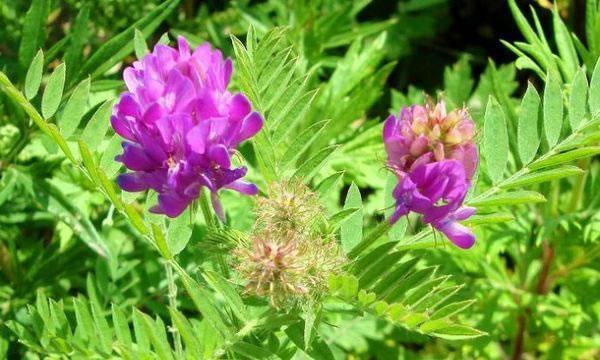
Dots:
{"x": 434, "y": 158}
{"x": 181, "y": 126}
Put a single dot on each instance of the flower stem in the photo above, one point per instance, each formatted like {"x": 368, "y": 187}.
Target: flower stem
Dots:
{"x": 172, "y": 296}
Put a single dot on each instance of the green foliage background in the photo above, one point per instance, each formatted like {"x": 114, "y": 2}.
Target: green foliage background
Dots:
{"x": 87, "y": 272}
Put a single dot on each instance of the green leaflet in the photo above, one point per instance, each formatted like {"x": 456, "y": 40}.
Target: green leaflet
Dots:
{"x": 495, "y": 140}
{"x": 528, "y": 136}
{"x": 594, "y": 94}
{"x": 190, "y": 339}
{"x": 458, "y": 82}
{"x": 578, "y": 99}
{"x": 340, "y": 217}
{"x": 329, "y": 183}
{"x": 121, "y": 327}
{"x": 139, "y": 44}
{"x": 96, "y": 128}
{"x": 351, "y": 230}
{"x": 252, "y": 351}
{"x": 33, "y": 79}
{"x": 565, "y": 46}
{"x": 53, "y": 92}
{"x": 553, "y": 111}
{"x": 458, "y": 332}
{"x": 509, "y": 198}
{"x": 565, "y": 157}
{"x": 202, "y": 298}
{"x": 77, "y": 39}
{"x": 308, "y": 169}
{"x": 302, "y": 142}
{"x": 33, "y": 33}
{"x": 229, "y": 293}
{"x": 179, "y": 232}
{"x": 75, "y": 108}
{"x": 107, "y": 161}
{"x": 542, "y": 176}
{"x": 158, "y": 336}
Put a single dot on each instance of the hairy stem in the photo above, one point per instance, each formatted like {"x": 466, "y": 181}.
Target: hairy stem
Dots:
{"x": 172, "y": 295}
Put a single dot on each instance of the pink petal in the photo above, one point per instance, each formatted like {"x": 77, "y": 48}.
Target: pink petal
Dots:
{"x": 121, "y": 127}
{"x": 243, "y": 187}
{"x": 220, "y": 155}
{"x": 240, "y": 107}
{"x": 171, "y": 204}
{"x": 197, "y": 137}
{"x": 250, "y": 126}
{"x": 459, "y": 234}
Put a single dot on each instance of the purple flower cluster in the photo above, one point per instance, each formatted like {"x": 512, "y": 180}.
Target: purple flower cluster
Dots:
{"x": 182, "y": 126}
{"x": 434, "y": 158}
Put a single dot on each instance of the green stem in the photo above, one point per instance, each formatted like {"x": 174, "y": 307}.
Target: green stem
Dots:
{"x": 579, "y": 186}
{"x": 172, "y": 295}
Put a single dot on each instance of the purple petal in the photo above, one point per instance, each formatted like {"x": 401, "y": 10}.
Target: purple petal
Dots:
{"x": 250, "y": 126}
{"x": 127, "y": 106}
{"x": 179, "y": 92}
{"x": 172, "y": 204}
{"x": 390, "y": 128}
{"x": 464, "y": 213}
{"x": 243, "y": 187}
{"x": 135, "y": 158}
{"x": 240, "y": 106}
{"x": 217, "y": 206}
{"x": 459, "y": 234}
{"x": 131, "y": 79}
{"x": 121, "y": 127}
{"x": 220, "y": 155}
{"x": 197, "y": 137}
{"x": 227, "y": 71}
{"x": 184, "y": 47}
{"x": 153, "y": 113}
{"x": 132, "y": 182}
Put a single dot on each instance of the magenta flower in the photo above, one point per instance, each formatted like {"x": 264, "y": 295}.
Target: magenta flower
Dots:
{"x": 425, "y": 134}
{"x": 181, "y": 126}
{"x": 436, "y": 190}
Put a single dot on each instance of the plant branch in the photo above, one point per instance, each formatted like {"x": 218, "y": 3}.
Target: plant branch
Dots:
{"x": 172, "y": 295}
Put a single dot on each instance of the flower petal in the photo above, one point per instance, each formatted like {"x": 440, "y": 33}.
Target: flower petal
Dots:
{"x": 171, "y": 204}
{"x": 220, "y": 155}
{"x": 250, "y": 126}
{"x": 459, "y": 234}
{"x": 243, "y": 187}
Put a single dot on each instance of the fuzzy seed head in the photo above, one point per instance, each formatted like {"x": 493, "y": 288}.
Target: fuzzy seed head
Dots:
{"x": 287, "y": 259}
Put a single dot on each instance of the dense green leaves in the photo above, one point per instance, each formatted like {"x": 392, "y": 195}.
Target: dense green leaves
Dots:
{"x": 314, "y": 73}
{"x": 121, "y": 45}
